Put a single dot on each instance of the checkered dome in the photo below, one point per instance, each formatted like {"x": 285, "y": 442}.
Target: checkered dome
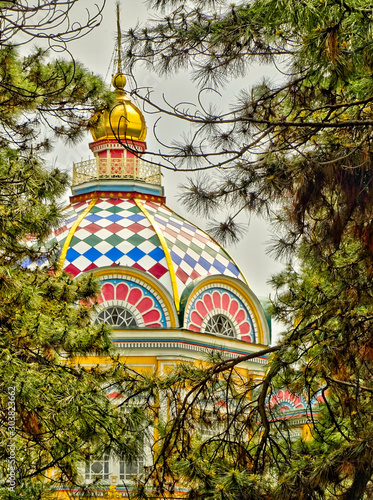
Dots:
{"x": 141, "y": 234}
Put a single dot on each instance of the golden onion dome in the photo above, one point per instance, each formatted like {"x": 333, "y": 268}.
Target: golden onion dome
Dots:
{"x": 124, "y": 121}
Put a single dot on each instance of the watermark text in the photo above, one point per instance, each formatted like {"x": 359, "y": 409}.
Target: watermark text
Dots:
{"x": 11, "y": 437}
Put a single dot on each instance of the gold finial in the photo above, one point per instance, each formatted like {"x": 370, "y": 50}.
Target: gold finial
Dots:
{"x": 119, "y": 80}
{"x": 125, "y": 120}
{"x": 119, "y": 40}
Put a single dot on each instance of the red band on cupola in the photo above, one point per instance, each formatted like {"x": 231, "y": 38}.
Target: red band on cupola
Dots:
{"x": 122, "y": 195}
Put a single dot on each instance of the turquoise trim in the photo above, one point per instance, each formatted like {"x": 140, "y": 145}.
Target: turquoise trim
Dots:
{"x": 115, "y": 188}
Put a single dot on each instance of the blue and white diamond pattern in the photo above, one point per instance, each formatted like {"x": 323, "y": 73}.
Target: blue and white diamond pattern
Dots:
{"x": 115, "y": 232}
{"x": 192, "y": 251}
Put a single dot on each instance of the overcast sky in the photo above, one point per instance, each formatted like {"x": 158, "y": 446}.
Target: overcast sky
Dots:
{"x": 95, "y": 52}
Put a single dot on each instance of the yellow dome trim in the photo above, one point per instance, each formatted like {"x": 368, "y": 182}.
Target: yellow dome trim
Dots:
{"x": 167, "y": 254}
{"x": 71, "y": 234}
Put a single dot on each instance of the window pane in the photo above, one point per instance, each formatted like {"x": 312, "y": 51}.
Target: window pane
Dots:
{"x": 129, "y": 469}
{"x": 97, "y": 469}
{"x": 117, "y": 316}
{"x": 220, "y": 324}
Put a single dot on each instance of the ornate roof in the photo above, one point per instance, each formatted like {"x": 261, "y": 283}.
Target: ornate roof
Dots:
{"x": 141, "y": 232}
{"x": 158, "y": 271}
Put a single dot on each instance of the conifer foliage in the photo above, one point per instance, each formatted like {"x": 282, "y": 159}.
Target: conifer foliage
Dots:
{"x": 53, "y": 413}
{"x": 297, "y": 146}
{"x": 295, "y": 136}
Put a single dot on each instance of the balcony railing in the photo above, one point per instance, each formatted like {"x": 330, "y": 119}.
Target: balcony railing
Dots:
{"x": 116, "y": 168}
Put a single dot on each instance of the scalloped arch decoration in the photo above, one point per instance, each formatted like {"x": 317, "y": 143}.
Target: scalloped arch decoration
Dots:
{"x": 146, "y": 306}
{"x": 284, "y": 400}
{"x": 212, "y": 300}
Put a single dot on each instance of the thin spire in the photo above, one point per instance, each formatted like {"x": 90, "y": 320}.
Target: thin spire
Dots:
{"x": 119, "y": 80}
{"x": 119, "y": 41}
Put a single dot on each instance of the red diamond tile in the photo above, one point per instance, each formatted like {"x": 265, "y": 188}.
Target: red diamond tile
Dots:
{"x": 136, "y": 227}
{"x": 115, "y": 395}
{"x": 182, "y": 275}
{"x": 114, "y": 228}
{"x": 171, "y": 232}
{"x": 137, "y": 266}
{"x": 158, "y": 270}
{"x": 71, "y": 269}
{"x": 194, "y": 275}
{"x": 186, "y": 235}
{"x": 116, "y": 201}
{"x": 152, "y": 205}
{"x": 60, "y": 230}
{"x": 92, "y": 228}
{"x": 200, "y": 237}
{"x": 91, "y": 266}
{"x": 80, "y": 204}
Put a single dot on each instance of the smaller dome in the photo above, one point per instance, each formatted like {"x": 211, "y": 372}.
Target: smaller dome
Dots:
{"x": 124, "y": 121}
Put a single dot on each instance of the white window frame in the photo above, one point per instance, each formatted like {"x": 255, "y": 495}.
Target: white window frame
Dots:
{"x": 90, "y": 476}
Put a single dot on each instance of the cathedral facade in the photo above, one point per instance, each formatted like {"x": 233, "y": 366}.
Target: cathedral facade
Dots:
{"x": 169, "y": 292}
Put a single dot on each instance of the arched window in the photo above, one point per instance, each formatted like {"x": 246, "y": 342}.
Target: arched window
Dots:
{"x": 117, "y": 316}
{"x": 220, "y": 324}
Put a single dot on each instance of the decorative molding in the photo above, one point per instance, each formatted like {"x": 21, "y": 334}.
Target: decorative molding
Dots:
{"x": 145, "y": 302}
{"x": 184, "y": 345}
{"x": 148, "y": 282}
{"x": 219, "y": 298}
{"x": 238, "y": 288}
